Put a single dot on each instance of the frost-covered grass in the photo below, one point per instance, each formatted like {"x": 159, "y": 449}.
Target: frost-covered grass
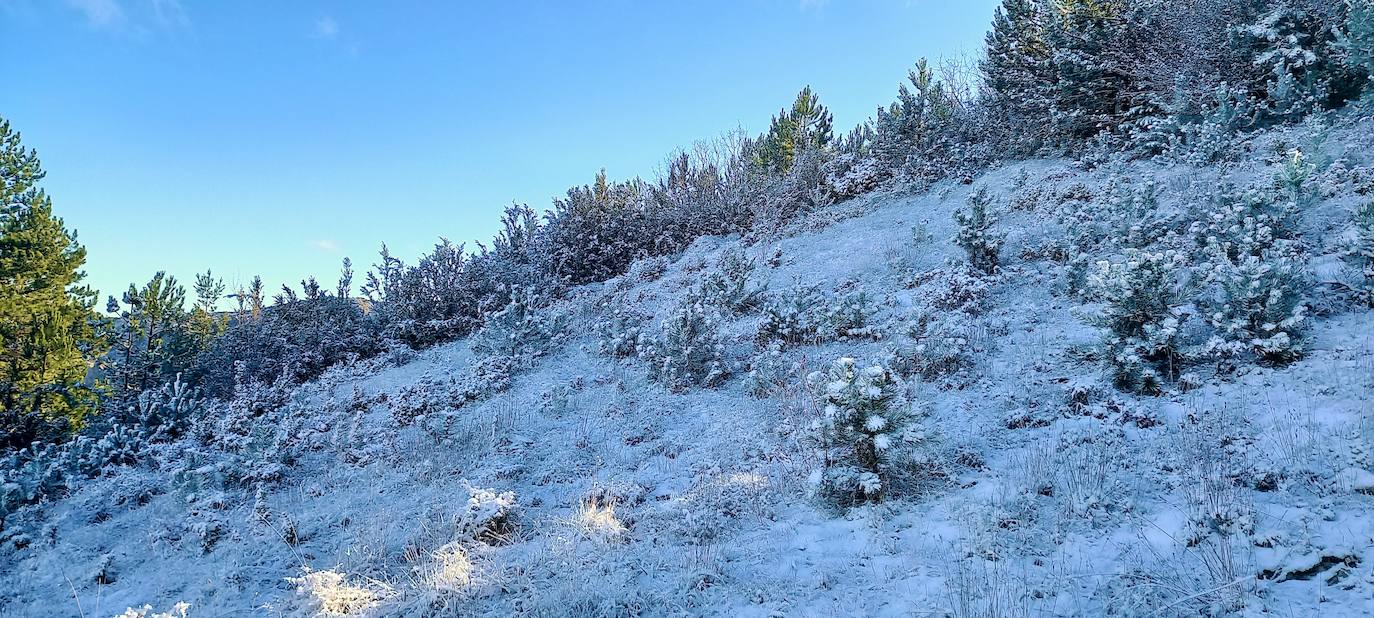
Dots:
{"x": 576, "y": 480}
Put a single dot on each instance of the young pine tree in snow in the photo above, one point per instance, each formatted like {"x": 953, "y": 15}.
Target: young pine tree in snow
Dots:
{"x": 687, "y": 353}
{"x": 1359, "y": 258}
{"x": 149, "y": 340}
{"x": 975, "y": 235}
{"x": 863, "y": 422}
{"x": 1257, "y": 307}
{"x": 524, "y": 329}
{"x": 1357, "y": 37}
{"x": 1141, "y": 315}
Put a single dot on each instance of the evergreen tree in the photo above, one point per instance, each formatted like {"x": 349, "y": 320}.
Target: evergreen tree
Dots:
{"x": 1090, "y": 89}
{"x": 149, "y": 338}
{"x": 910, "y": 125}
{"x": 205, "y": 321}
{"x": 46, "y": 319}
{"x": 807, "y": 125}
{"x": 1016, "y": 68}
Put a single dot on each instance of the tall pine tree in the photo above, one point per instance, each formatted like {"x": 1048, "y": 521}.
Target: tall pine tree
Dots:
{"x": 1017, "y": 69}
{"x": 806, "y": 125}
{"x": 47, "y": 340}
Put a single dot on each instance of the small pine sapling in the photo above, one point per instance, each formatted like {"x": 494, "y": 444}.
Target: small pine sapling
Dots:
{"x": 864, "y": 418}
{"x": 975, "y": 235}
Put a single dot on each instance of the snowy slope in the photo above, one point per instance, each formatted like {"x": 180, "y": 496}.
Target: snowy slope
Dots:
{"x": 1051, "y": 494}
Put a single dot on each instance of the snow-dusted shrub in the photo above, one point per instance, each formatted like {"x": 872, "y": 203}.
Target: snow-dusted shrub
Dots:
{"x": 864, "y": 421}
{"x": 331, "y": 594}
{"x": 727, "y": 286}
{"x": 179, "y": 610}
{"x": 1256, "y": 307}
{"x": 805, "y": 316}
{"x": 1240, "y": 223}
{"x": 975, "y": 234}
{"x": 1141, "y": 314}
{"x": 770, "y": 371}
{"x": 647, "y": 269}
{"x": 488, "y": 516}
{"x": 523, "y": 330}
{"x": 1358, "y": 255}
{"x": 1292, "y": 179}
{"x": 432, "y": 395}
{"x": 687, "y": 352}
{"x": 620, "y": 332}
{"x": 937, "y": 344}
{"x": 850, "y": 175}
{"x": 959, "y": 289}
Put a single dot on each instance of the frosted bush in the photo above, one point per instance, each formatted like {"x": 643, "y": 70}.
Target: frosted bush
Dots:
{"x": 1358, "y": 255}
{"x": 488, "y": 516}
{"x": 863, "y": 423}
{"x": 850, "y": 175}
{"x": 1238, "y": 223}
{"x": 620, "y": 332}
{"x": 959, "y": 289}
{"x": 523, "y": 330}
{"x": 1141, "y": 314}
{"x": 727, "y": 286}
{"x": 1256, "y": 308}
{"x": 975, "y": 235}
{"x": 332, "y": 594}
{"x": 179, "y": 610}
{"x": 770, "y": 371}
{"x": 687, "y": 351}
{"x": 937, "y": 344}
{"x": 805, "y": 316}
{"x": 1292, "y": 179}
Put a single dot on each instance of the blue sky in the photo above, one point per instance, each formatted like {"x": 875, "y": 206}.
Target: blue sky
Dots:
{"x": 275, "y": 138}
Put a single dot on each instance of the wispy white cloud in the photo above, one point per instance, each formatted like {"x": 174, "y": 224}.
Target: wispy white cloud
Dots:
{"x": 170, "y": 15}
{"x": 325, "y": 28}
{"x": 100, "y": 14}
{"x": 325, "y": 245}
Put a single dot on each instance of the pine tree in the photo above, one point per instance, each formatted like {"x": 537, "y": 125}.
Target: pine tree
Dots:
{"x": 149, "y": 338}
{"x": 46, "y": 320}
{"x": 807, "y": 125}
{"x": 1090, "y": 92}
{"x": 1016, "y": 69}
{"x": 910, "y": 125}
{"x": 205, "y": 321}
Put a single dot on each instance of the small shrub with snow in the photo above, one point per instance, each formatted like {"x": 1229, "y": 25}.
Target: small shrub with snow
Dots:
{"x": 1237, "y": 223}
{"x": 805, "y": 316}
{"x": 936, "y": 345}
{"x": 1358, "y": 255}
{"x": 960, "y": 289}
{"x": 687, "y": 352}
{"x": 1141, "y": 314}
{"x": 975, "y": 232}
{"x": 330, "y": 593}
{"x": 524, "y": 329}
{"x": 770, "y": 371}
{"x": 179, "y": 610}
{"x": 620, "y": 332}
{"x": 1256, "y": 308}
{"x": 488, "y": 517}
{"x": 864, "y": 421}
{"x": 727, "y": 286}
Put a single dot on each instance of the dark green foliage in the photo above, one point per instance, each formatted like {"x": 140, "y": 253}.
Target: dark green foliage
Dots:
{"x": 803, "y": 127}
{"x": 46, "y": 334}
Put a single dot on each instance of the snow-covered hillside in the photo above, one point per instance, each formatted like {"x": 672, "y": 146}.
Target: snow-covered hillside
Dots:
{"x": 1030, "y": 486}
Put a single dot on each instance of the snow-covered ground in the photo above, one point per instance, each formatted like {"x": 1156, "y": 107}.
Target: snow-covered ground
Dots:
{"x": 1048, "y": 492}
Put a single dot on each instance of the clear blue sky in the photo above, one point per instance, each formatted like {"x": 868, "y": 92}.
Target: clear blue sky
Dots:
{"x": 275, "y": 138}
